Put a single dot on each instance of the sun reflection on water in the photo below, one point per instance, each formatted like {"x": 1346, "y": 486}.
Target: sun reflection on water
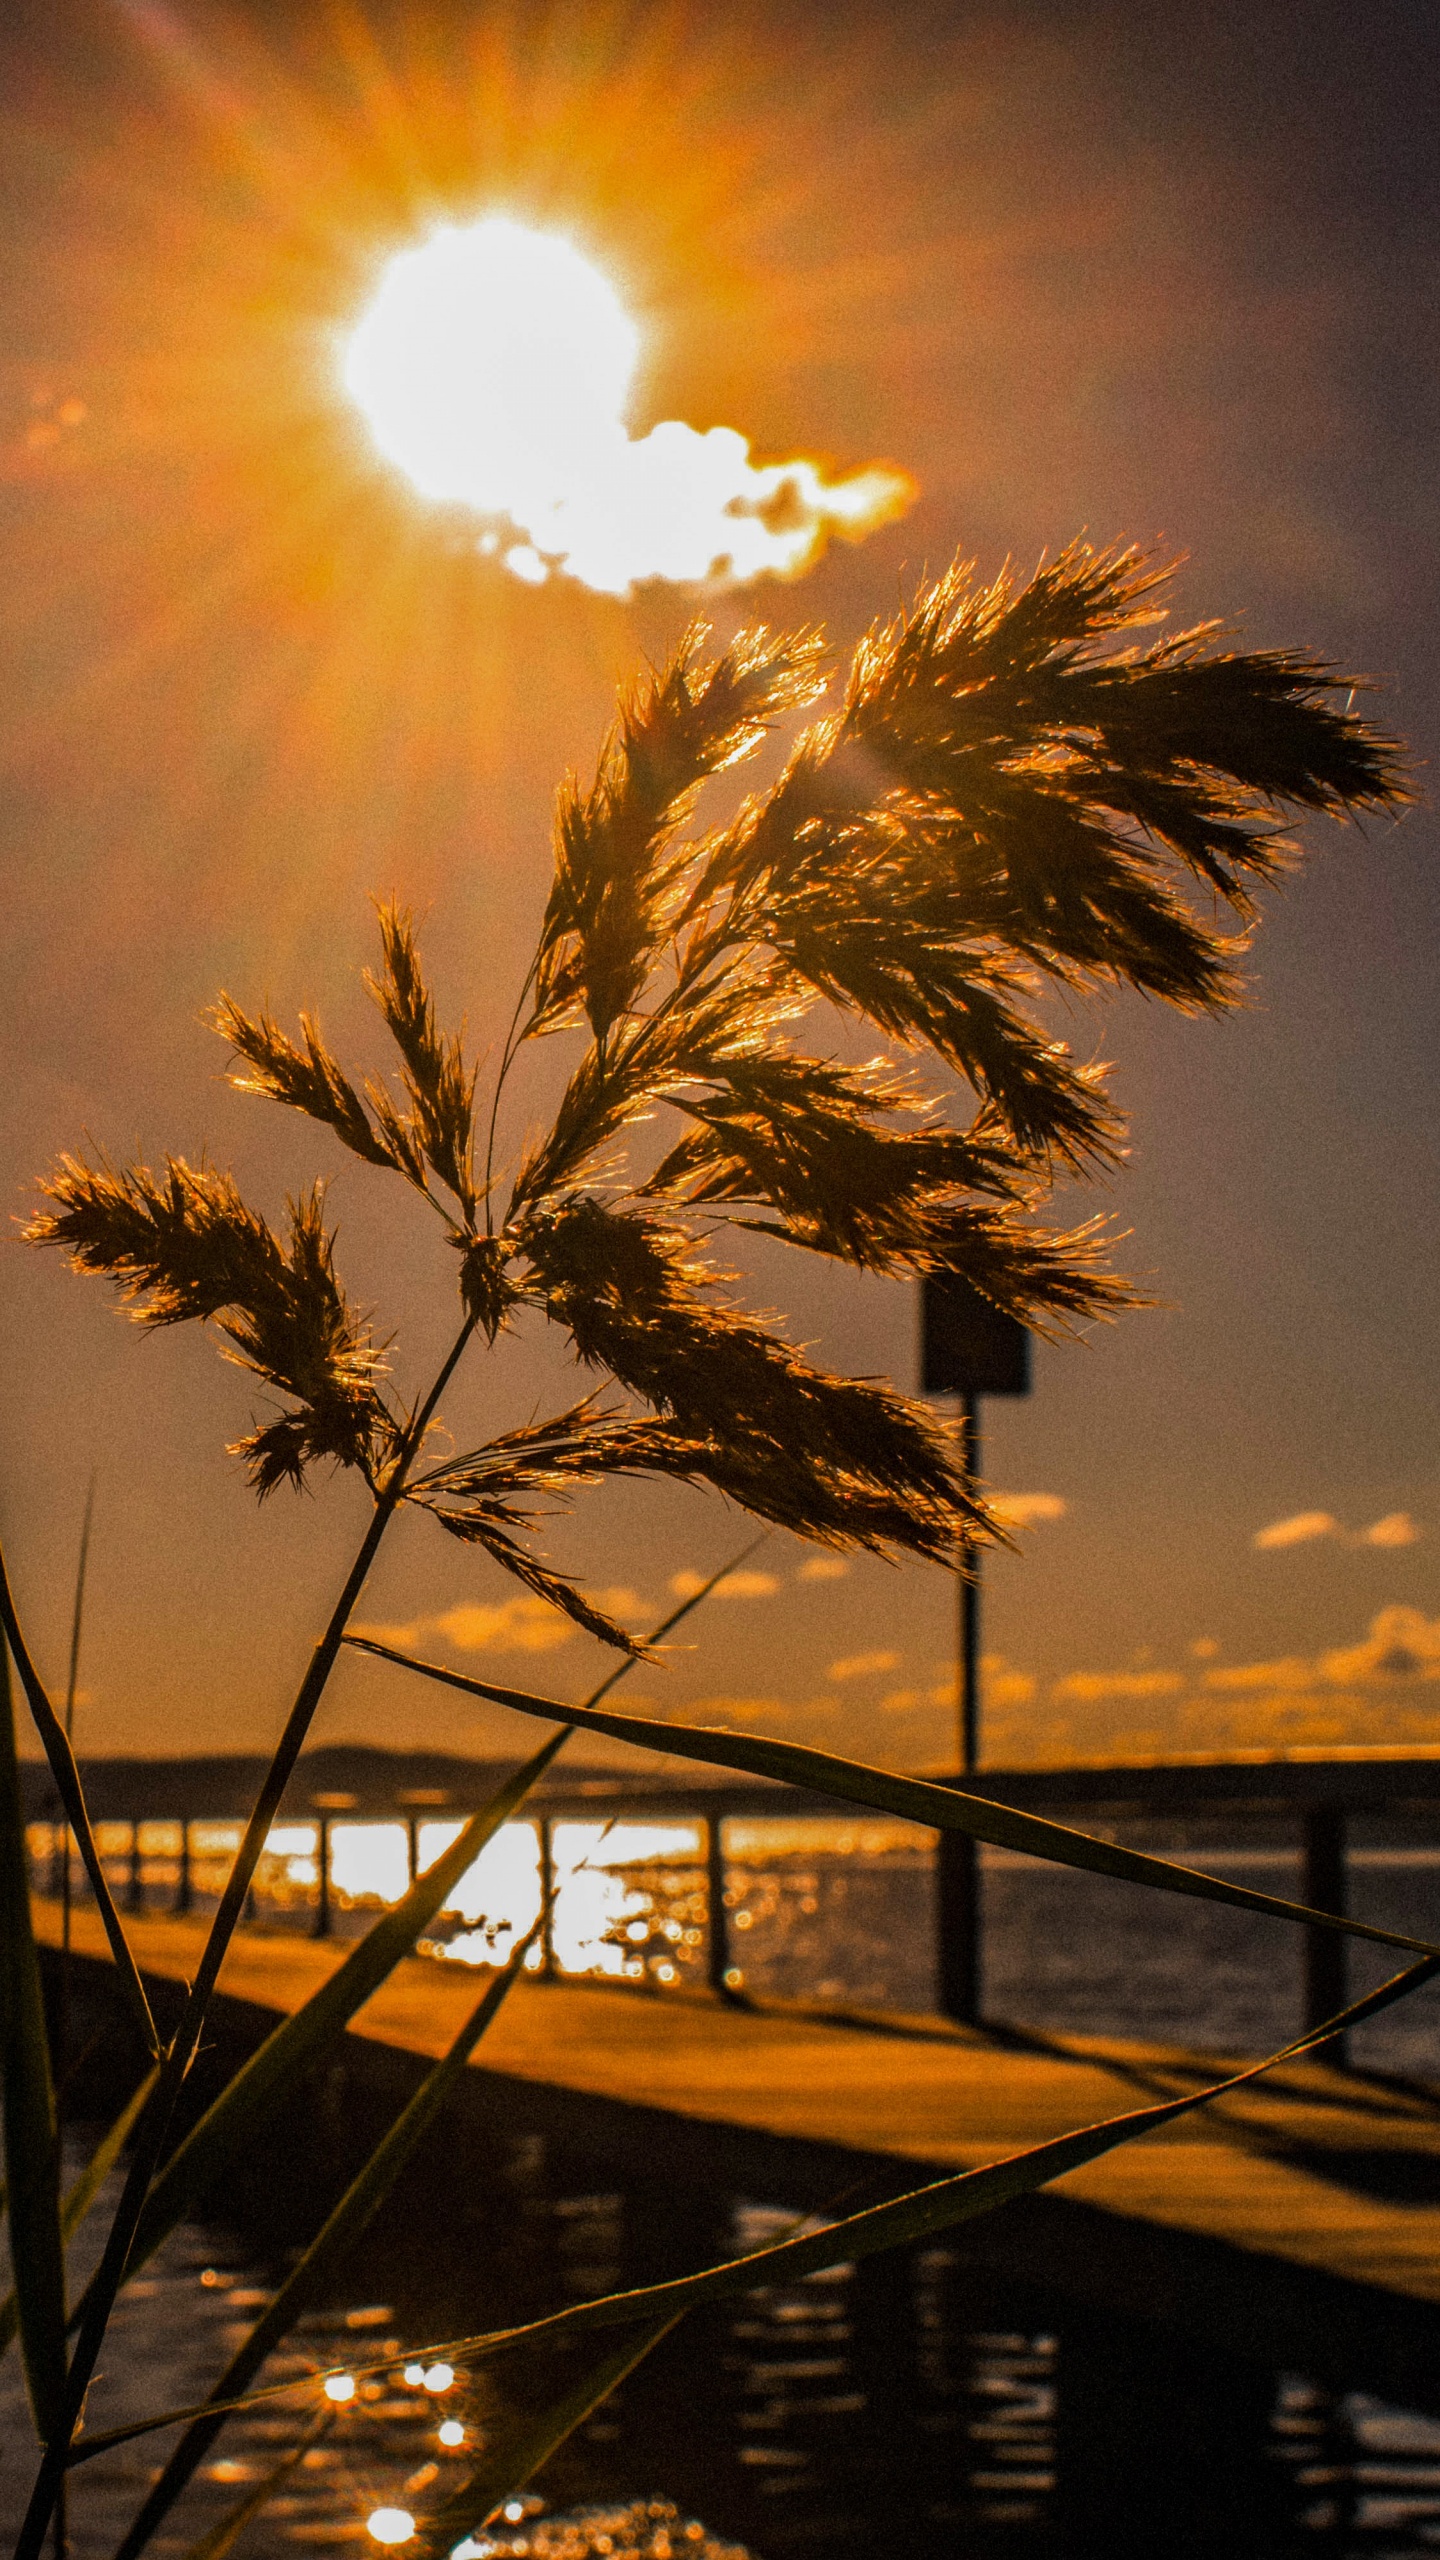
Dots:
{"x": 606, "y": 1917}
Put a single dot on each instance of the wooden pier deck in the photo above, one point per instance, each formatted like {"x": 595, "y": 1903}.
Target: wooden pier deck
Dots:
{"x": 1326, "y": 2176}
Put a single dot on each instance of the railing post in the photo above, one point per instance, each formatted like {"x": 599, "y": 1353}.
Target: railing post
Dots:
{"x": 412, "y": 1846}
{"x": 957, "y": 1856}
{"x": 1323, "y": 1889}
{"x": 135, "y": 1883}
{"x": 184, "y": 1888}
{"x": 717, "y": 1933}
{"x": 320, "y": 1926}
{"x": 545, "y": 1829}
{"x": 957, "y": 1926}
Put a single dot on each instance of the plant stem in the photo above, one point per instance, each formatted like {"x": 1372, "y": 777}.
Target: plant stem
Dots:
{"x": 62, "y": 2025}
{"x": 72, "y": 1797}
{"x": 155, "y": 2123}
{"x": 507, "y": 1059}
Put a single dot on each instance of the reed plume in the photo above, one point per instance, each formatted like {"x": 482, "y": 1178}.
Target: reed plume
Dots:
{"x": 1012, "y": 791}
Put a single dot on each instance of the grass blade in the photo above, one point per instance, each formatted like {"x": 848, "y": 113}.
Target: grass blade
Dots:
{"x": 940, "y": 2206}
{"x": 79, "y": 2198}
{"x": 937, "y": 2207}
{"x": 201, "y": 2158}
{"x": 940, "y": 1808}
{"x": 517, "y": 2454}
{"x": 77, "y": 2202}
{"x": 332, "y": 2243}
{"x": 67, "y": 1779}
{"x": 180, "y": 2053}
{"x": 32, "y": 2141}
{"x": 264, "y": 2080}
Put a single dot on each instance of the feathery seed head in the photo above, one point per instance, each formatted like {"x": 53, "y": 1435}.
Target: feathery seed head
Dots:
{"x": 1016, "y": 789}
{"x": 184, "y": 1247}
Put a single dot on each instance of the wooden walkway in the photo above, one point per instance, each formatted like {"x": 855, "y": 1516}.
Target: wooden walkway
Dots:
{"x": 1321, "y": 2169}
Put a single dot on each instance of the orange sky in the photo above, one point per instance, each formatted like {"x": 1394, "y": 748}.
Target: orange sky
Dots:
{"x": 1069, "y": 271}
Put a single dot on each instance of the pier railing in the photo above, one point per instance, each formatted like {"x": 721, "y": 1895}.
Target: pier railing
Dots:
{"x": 1321, "y": 1792}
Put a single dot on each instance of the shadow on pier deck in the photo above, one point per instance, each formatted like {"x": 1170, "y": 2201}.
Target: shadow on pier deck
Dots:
{"x": 1295, "y": 2224}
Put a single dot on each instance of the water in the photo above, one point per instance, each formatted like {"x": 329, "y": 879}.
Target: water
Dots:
{"x": 907, "y": 2406}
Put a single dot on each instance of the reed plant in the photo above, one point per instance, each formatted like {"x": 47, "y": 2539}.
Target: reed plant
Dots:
{"x": 1013, "y": 789}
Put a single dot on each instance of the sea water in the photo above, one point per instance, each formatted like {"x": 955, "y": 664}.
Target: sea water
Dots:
{"x": 908, "y": 2408}
{"x": 905, "y": 2406}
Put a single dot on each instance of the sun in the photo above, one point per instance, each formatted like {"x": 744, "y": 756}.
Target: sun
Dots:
{"x": 490, "y": 361}
{"x": 494, "y": 366}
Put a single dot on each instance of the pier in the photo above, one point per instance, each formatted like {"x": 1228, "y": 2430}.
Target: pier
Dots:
{"x": 1296, "y": 2223}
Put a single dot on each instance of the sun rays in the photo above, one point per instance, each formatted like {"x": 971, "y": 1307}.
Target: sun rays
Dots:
{"x": 343, "y": 667}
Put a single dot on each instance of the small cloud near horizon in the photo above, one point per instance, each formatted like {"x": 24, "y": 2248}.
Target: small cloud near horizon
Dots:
{"x": 525, "y": 1624}
{"x": 1301, "y": 1528}
{"x": 823, "y": 1569}
{"x": 522, "y": 1625}
{"x": 1024, "y": 1510}
{"x": 1088, "y": 1688}
{"x": 859, "y": 1666}
{"x": 731, "y": 1586}
{"x": 1402, "y": 1645}
{"x": 1298, "y": 1530}
{"x": 1401, "y": 1650}
{"x": 781, "y": 1712}
{"x": 1397, "y": 1529}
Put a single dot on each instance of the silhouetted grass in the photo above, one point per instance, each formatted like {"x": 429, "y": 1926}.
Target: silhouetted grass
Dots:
{"x": 1012, "y": 791}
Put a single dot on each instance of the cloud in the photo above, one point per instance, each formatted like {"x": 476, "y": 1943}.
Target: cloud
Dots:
{"x": 1290, "y": 1673}
{"x": 1298, "y": 1530}
{"x": 1004, "y": 1688}
{"x": 622, "y": 1602}
{"x": 522, "y": 1625}
{"x": 782, "y": 1713}
{"x": 1087, "y": 1688}
{"x": 823, "y": 1569}
{"x": 1000, "y": 1687}
{"x": 1204, "y": 1649}
{"x": 1403, "y": 1645}
{"x": 732, "y": 1586}
{"x": 1023, "y": 1510}
{"x": 1397, "y": 1529}
{"x": 860, "y": 1666}
{"x": 738, "y": 1710}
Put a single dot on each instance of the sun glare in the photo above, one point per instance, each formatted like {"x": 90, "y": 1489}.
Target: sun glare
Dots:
{"x": 493, "y": 367}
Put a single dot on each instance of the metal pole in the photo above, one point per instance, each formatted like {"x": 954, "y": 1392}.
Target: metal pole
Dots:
{"x": 321, "y": 1924}
{"x": 957, "y": 1863}
{"x": 547, "y": 1899}
{"x": 135, "y": 1886}
{"x": 184, "y": 1889}
{"x": 717, "y": 1949}
{"x": 1324, "y": 1890}
{"x": 969, "y": 1697}
{"x": 412, "y": 1846}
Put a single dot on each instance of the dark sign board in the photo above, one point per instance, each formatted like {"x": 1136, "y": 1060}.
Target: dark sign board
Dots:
{"x": 969, "y": 1347}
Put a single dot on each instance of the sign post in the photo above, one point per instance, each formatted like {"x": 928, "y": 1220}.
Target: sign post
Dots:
{"x": 968, "y": 1348}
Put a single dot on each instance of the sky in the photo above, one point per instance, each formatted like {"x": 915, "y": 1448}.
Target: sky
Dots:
{"x": 1067, "y": 268}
